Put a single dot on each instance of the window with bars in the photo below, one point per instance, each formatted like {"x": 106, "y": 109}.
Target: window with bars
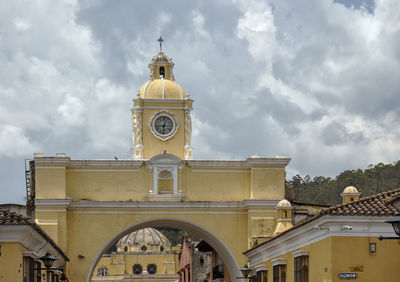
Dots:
{"x": 279, "y": 273}
{"x": 301, "y": 269}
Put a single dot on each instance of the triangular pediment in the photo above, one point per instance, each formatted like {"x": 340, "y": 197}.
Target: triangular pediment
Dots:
{"x": 165, "y": 159}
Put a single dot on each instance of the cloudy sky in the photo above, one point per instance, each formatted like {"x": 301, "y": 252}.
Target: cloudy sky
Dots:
{"x": 315, "y": 80}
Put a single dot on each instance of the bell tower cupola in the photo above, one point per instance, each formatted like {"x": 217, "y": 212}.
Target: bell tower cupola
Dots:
{"x": 161, "y": 113}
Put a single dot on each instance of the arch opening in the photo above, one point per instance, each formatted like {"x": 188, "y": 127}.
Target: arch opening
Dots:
{"x": 216, "y": 243}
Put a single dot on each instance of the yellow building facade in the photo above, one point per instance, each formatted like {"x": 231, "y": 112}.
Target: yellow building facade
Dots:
{"x": 87, "y": 205}
{"x": 339, "y": 243}
{"x": 22, "y": 244}
{"x": 143, "y": 255}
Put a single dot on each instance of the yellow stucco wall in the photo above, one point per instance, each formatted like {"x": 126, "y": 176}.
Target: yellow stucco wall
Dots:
{"x": 334, "y": 255}
{"x": 52, "y": 182}
{"x": 102, "y": 227}
{"x": 11, "y": 261}
{"x": 381, "y": 266}
{"x": 131, "y": 184}
{"x": 120, "y": 263}
{"x": 84, "y": 231}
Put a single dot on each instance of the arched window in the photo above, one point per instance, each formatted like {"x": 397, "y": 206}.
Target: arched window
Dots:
{"x": 152, "y": 268}
{"x": 143, "y": 248}
{"x": 165, "y": 182}
{"x": 137, "y": 269}
{"x": 161, "y": 248}
{"x": 162, "y": 72}
{"x": 126, "y": 249}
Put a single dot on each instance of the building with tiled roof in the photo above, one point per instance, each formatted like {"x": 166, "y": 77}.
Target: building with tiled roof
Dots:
{"x": 22, "y": 243}
{"x": 339, "y": 242}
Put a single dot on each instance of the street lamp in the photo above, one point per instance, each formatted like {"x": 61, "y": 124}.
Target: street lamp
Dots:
{"x": 245, "y": 272}
{"x": 395, "y": 222}
{"x": 48, "y": 260}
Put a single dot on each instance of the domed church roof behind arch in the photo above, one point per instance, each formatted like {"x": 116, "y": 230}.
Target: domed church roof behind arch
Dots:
{"x": 149, "y": 236}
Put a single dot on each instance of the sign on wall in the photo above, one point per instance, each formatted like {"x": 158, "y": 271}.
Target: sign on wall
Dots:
{"x": 348, "y": 275}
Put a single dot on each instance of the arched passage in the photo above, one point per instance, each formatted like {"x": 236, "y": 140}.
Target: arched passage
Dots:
{"x": 193, "y": 228}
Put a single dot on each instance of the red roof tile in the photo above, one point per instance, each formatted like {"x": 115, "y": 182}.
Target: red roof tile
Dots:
{"x": 376, "y": 205}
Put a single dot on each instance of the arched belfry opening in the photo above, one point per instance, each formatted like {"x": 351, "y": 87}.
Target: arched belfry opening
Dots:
{"x": 193, "y": 228}
{"x": 162, "y": 72}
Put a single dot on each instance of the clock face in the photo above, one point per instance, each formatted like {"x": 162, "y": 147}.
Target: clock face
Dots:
{"x": 163, "y": 125}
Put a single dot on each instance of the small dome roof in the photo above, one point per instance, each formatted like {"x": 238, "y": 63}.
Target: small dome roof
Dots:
{"x": 162, "y": 89}
{"x": 149, "y": 236}
{"x": 350, "y": 190}
{"x": 284, "y": 203}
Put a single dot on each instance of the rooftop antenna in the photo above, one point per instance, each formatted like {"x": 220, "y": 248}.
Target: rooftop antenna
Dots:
{"x": 161, "y": 41}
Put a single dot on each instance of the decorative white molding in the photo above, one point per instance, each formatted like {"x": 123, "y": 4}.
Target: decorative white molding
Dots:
{"x": 169, "y": 115}
{"x": 104, "y": 170}
{"x": 267, "y": 168}
{"x": 261, "y": 267}
{"x": 51, "y": 160}
{"x": 31, "y": 239}
{"x": 46, "y": 162}
{"x": 176, "y": 197}
{"x": 137, "y": 123}
{"x": 279, "y": 261}
{"x": 317, "y": 230}
{"x": 217, "y": 164}
{"x": 157, "y": 212}
{"x": 254, "y": 204}
{"x": 59, "y": 203}
{"x": 243, "y": 205}
{"x": 216, "y": 170}
{"x": 268, "y": 161}
{"x": 105, "y": 163}
{"x": 51, "y": 167}
{"x": 163, "y": 101}
{"x": 300, "y": 254}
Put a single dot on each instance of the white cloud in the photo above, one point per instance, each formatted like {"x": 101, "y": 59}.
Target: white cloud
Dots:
{"x": 14, "y": 142}
{"x": 312, "y": 79}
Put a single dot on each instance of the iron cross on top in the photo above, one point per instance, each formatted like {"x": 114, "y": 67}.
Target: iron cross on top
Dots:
{"x": 161, "y": 41}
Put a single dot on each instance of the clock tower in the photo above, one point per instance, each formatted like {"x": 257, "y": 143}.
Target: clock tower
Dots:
{"x": 161, "y": 113}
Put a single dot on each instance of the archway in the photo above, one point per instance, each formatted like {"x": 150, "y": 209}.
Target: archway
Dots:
{"x": 193, "y": 228}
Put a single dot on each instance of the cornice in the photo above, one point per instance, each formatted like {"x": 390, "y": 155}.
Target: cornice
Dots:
{"x": 262, "y": 163}
{"x": 259, "y": 163}
{"x": 257, "y": 204}
{"x": 51, "y": 160}
{"x": 93, "y": 163}
{"x": 182, "y": 101}
{"x": 58, "y": 203}
{"x": 27, "y": 236}
{"x": 317, "y": 230}
{"x": 159, "y": 203}
{"x": 217, "y": 164}
{"x": 256, "y": 162}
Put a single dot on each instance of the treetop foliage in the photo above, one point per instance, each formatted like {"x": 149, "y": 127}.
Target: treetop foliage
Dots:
{"x": 326, "y": 190}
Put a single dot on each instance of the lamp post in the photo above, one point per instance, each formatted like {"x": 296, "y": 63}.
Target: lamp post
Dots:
{"x": 246, "y": 272}
{"x": 48, "y": 261}
{"x": 395, "y": 222}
